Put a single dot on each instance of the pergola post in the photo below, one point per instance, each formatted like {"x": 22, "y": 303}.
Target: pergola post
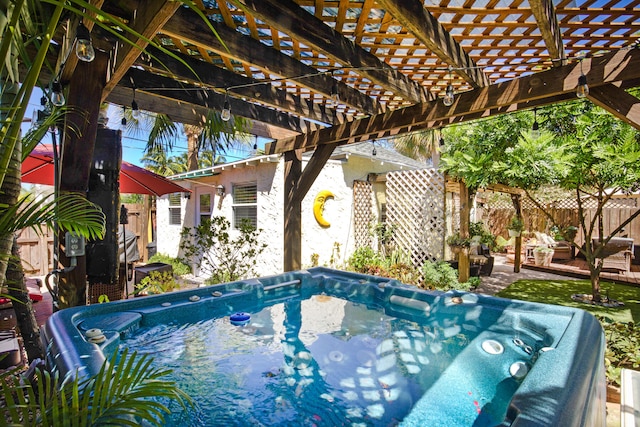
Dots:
{"x": 517, "y": 205}
{"x": 465, "y": 213}
{"x": 296, "y": 186}
{"x": 292, "y": 211}
{"x": 81, "y": 126}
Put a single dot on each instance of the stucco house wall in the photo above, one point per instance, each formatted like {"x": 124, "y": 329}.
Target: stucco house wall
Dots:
{"x": 333, "y": 245}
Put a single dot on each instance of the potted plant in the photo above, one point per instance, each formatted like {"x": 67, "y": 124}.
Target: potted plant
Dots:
{"x": 542, "y": 255}
{"x": 457, "y": 243}
{"x": 515, "y": 227}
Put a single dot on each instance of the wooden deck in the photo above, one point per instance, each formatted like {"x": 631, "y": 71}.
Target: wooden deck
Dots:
{"x": 578, "y": 268}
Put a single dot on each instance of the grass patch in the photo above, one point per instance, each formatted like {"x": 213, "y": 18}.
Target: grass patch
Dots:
{"x": 559, "y": 292}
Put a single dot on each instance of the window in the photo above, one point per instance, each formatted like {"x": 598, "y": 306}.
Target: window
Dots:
{"x": 205, "y": 207}
{"x": 175, "y": 209}
{"x": 245, "y": 198}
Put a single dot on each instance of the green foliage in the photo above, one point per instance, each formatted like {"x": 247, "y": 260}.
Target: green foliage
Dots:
{"x": 543, "y": 249}
{"x": 623, "y": 347}
{"x": 486, "y": 237}
{"x": 442, "y": 276}
{"x": 363, "y": 259}
{"x": 315, "y": 258}
{"x": 224, "y": 254}
{"x": 455, "y": 240}
{"x": 127, "y": 391}
{"x": 516, "y": 224}
{"x": 179, "y": 267}
{"x": 501, "y": 243}
{"x": 157, "y": 282}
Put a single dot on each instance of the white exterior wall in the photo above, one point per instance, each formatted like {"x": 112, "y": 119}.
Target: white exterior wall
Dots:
{"x": 337, "y": 176}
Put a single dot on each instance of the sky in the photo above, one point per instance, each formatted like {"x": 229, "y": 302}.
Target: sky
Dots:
{"x": 133, "y": 145}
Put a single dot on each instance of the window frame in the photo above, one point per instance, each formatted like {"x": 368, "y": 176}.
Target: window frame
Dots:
{"x": 250, "y": 205}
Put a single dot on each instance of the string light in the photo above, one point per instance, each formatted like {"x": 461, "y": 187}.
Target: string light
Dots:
{"x": 84, "y": 47}
{"x": 135, "y": 111}
{"x": 226, "y": 108}
{"x": 123, "y": 122}
{"x": 535, "y": 129}
{"x": 449, "y": 94}
{"x": 57, "y": 97}
{"x": 583, "y": 89}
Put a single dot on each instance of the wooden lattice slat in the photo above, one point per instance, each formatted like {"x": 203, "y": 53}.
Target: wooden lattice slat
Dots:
{"x": 415, "y": 207}
{"x": 362, "y": 213}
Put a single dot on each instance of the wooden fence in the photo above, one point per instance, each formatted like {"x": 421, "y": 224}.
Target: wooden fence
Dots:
{"x": 497, "y": 219}
{"x": 36, "y": 251}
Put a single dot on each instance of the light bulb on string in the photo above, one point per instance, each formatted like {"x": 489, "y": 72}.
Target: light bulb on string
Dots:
{"x": 57, "y": 97}
{"x": 84, "y": 47}
{"x": 449, "y": 94}
{"x": 535, "y": 128}
{"x": 135, "y": 110}
{"x": 123, "y": 122}
{"x": 225, "y": 115}
{"x": 582, "y": 90}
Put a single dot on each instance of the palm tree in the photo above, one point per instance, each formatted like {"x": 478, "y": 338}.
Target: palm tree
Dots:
{"x": 418, "y": 145}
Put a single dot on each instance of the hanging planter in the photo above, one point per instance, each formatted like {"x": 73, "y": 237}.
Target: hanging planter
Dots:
{"x": 515, "y": 227}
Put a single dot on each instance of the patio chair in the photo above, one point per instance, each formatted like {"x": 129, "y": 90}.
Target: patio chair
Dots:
{"x": 562, "y": 251}
{"x": 480, "y": 255}
{"x": 617, "y": 255}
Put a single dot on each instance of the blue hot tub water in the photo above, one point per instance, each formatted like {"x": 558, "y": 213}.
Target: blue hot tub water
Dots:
{"x": 326, "y": 348}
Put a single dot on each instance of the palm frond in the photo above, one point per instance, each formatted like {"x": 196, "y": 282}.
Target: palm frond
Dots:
{"x": 126, "y": 391}
{"x": 71, "y": 211}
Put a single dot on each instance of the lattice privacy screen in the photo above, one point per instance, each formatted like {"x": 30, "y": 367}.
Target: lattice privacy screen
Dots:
{"x": 362, "y": 213}
{"x": 415, "y": 206}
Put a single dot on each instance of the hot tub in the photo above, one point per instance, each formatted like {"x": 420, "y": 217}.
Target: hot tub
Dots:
{"x": 325, "y": 347}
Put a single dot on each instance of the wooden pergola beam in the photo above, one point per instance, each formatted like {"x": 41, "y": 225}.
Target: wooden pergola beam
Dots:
{"x": 288, "y": 17}
{"x": 422, "y": 24}
{"x": 617, "y": 66}
{"x": 151, "y": 17}
{"x": 188, "y": 26}
{"x": 183, "y": 112}
{"x": 618, "y": 102}
{"x": 209, "y": 99}
{"x": 545, "y": 14}
{"x": 183, "y": 67}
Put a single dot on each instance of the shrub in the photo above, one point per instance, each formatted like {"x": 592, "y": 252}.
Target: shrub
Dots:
{"x": 442, "y": 277}
{"x": 224, "y": 254}
{"x": 157, "y": 282}
{"x": 179, "y": 268}
{"x": 623, "y": 347}
{"x": 363, "y": 259}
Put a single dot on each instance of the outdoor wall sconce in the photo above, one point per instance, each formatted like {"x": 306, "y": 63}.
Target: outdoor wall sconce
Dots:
{"x": 84, "y": 48}
{"x": 186, "y": 195}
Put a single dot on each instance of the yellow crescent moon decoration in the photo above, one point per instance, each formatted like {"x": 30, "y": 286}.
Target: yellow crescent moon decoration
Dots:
{"x": 318, "y": 207}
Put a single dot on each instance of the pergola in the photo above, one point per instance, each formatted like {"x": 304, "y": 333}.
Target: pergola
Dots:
{"x": 313, "y": 75}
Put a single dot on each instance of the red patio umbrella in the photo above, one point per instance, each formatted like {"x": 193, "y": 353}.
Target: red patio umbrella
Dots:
{"x": 38, "y": 168}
